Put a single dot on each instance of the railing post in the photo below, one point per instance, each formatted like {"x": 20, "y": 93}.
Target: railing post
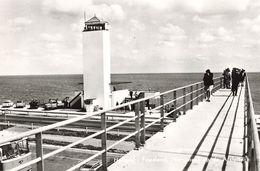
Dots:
{"x": 175, "y": 101}
{"x": 184, "y": 100}
{"x": 39, "y": 151}
{"x": 221, "y": 83}
{"x": 191, "y": 97}
{"x": 174, "y": 98}
{"x": 137, "y": 126}
{"x": 4, "y": 116}
{"x": 142, "y": 108}
{"x": 246, "y": 146}
{"x": 249, "y": 138}
{"x": 104, "y": 141}
{"x": 249, "y": 135}
{"x": 201, "y": 92}
{"x": 197, "y": 94}
{"x": 162, "y": 111}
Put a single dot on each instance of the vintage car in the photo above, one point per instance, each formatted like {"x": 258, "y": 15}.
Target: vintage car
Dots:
{"x": 34, "y": 104}
{"x": 53, "y": 104}
{"x": 7, "y": 103}
{"x": 19, "y": 104}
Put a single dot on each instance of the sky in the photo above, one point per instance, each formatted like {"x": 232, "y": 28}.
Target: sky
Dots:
{"x": 147, "y": 36}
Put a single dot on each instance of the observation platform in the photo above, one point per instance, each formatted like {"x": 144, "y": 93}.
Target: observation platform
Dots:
{"x": 209, "y": 137}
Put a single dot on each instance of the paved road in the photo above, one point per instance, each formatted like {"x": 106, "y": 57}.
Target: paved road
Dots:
{"x": 65, "y": 160}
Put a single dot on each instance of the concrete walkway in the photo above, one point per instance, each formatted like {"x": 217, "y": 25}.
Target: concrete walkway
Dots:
{"x": 209, "y": 137}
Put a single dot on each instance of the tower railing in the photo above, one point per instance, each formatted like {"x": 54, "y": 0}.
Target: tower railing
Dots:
{"x": 171, "y": 104}
{"x": 252, "y": 136}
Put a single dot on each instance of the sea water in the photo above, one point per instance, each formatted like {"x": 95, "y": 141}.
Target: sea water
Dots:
{"x": 44, "y": 87}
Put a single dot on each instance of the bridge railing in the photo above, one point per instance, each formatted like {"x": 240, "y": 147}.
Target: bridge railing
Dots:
{"x": 253, "y": 145}
{"x": 181, "y": 99}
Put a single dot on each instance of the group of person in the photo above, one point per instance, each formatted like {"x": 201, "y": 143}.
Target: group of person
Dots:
{"x": 235, "y": 77}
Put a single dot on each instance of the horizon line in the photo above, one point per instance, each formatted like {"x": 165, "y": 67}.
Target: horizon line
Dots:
{"x": 53, "y": 74}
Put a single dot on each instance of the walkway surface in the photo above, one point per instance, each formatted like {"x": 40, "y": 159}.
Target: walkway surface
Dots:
{"x": 209, "y": 137}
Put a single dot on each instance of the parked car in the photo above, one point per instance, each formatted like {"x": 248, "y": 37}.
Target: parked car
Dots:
{"x": 19, "y": 104}
{"x": 53, "y": 104}
{"x": 60, "y": 104}
{"x": 7, "y": 103}
{"x": 34, "y": 104}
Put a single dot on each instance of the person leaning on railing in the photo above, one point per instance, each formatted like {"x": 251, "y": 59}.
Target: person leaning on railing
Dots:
{"x": 208, "y": 84}
{"x": 242, "y": 76}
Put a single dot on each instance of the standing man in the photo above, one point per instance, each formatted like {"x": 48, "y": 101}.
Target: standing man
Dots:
{"x": 242, "y": 76}
{"x": 208, "y": 84}
{"x": 227, "y": 78}
{"x": 235, "y": 80}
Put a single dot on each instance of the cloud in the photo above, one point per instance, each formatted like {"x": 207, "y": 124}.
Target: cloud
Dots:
{"x": 213, "y": 6}
{"x": 167, "y": 43}
{"x": 18, "y": 24}
{"x": 194, "y": 6}
{"x": 77, "y": 7}
{"x": 21, "y": 21}
{"x": 135, "y": 51}
{"x": 161, "y": 5}
{"x": 52, "y": 43}
{"x": 119, "y": 36}
{"x": 51, "y": 37}
{"x": 225, "y": 35}
{"x": 206, "y": 37}
{"x": 212, "y": 35}
{"x": 173, "y": 32}
{"x": 77, "y": 26}
{"x": 112, "y": 12}
{"x": 254, "y": 4}
{"x": 198, "y": 19}
{"x": 68, "y": 6}
{"x": 137, "y": 25}
{"x": 21, "y": 52}
{"x": 117, "y": 11}
{"x": 256, "y": 28}
{"x": 252, "y": 24}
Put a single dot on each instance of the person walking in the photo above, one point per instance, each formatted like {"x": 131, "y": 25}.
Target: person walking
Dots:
{"x": 208, "y": 84}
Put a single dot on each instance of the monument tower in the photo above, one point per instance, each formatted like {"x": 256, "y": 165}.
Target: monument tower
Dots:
{"x": 96, "y": 63}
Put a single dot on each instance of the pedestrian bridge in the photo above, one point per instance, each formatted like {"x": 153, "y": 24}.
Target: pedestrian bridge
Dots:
{"x": 209, "y": 137}
{"x": 216, "y": 135}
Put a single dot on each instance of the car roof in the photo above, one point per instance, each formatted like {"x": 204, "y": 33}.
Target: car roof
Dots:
{"x": 7, "y": 101}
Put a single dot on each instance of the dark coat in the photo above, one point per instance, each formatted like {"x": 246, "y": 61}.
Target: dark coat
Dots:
{"x": 208, "y": 79}
{"x": 235, "y": 78}
{"x": 242, "y": 76}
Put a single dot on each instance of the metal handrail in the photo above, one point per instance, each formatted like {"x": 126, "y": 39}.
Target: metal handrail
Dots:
{"x": 254, "y": 145}
{"x": 139, "y": 115}
{"x": 87, "y": 115}
{"x": 180, "y": 88}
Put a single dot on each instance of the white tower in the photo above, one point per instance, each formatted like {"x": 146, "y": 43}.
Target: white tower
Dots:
{"x": 96, "y": 58}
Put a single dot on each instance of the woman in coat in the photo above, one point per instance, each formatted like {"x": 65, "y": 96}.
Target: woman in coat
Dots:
{"x": 208, "y": 84}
